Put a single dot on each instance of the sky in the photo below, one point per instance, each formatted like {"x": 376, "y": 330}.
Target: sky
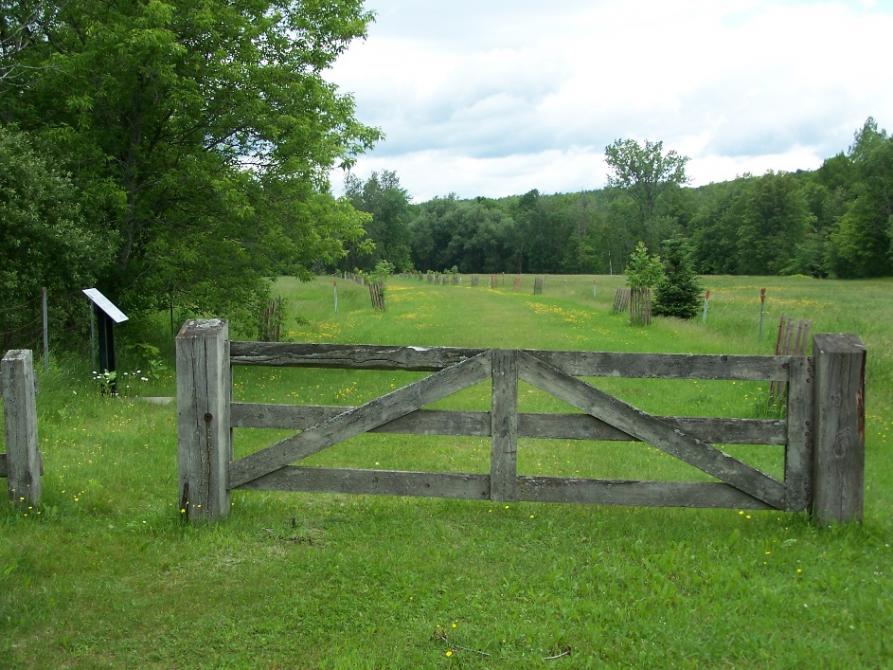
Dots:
{"x": 498, "y": 97}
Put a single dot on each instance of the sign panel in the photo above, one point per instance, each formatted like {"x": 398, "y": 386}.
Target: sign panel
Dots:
{"x": 105, "y": 305}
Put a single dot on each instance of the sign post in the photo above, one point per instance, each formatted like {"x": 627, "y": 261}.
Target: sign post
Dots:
{"x": 107, "y": 316}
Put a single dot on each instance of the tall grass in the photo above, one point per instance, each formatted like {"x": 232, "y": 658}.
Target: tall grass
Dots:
{"x": 104, "y": 574}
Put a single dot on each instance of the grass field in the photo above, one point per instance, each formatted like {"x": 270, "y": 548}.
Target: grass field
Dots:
{"x": 104, "y": 574}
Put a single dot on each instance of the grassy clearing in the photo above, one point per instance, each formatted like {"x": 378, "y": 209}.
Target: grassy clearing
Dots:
{"x": 104, "y": 574}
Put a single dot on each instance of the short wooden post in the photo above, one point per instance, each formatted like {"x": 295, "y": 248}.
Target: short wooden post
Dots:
{"x": 46, "y": 328}
{"x": 23, "y": 466}
{"x": 203, "y": 418}
{"x": 762, "y": 311}
{"x": 504, "y": 425}
{"x": 839, "y": 458}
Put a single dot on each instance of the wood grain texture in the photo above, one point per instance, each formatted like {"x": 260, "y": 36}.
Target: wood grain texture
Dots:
{"x": 667, "y": 366}
{"x": 23, "y": 460}
{"x": 662, "y": 435}
{"x": 348, "y": 356}
{"x": 576, "y": 363}
{"x": 532, "y": 425}
{"x": 419, "y": 422}
{"x": 504, "y": 425}
{"x": 798, "y": 452}
{"x": 361, "y": 419}
{"x": 839, "y": 425}
{"x": 708, "y": 429}
{"x": 635, "y": 493}
{"x": 203, "y": 421}
{"x": 374, "y": 482}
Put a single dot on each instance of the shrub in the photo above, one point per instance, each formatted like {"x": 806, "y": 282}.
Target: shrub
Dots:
{"x": 679, "y": 291}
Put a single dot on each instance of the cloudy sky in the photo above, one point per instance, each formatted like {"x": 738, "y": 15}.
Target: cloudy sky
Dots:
{"x": 496, "y": 97}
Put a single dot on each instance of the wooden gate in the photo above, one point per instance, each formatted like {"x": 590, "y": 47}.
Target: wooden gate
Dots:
{"x": 821, "y": 432}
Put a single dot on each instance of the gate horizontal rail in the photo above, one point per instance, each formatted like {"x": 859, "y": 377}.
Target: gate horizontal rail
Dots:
{"x": 534, "y": 425}
{"x": 821, "y": 423}
{"x": 576, "y": 363}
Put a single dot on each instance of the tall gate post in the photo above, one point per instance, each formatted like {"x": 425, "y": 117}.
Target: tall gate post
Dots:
{"x": 204, "y": 392}
{"x": 23, "y": 465}
{"x": 839, "y": 458}
{"x": 504, "y": 425}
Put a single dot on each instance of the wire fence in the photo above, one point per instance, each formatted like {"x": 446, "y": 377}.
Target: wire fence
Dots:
{"x": 68, "y": 320}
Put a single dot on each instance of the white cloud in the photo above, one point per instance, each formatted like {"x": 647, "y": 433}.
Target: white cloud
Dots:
{"x": 501, "y": 97}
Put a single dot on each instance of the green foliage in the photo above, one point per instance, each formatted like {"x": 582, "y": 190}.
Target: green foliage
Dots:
{"x": 202, "y": 151}
{"x": 678, "y": 292}
{"x": 643, "y": 270}
{"x": 148, "y": 359}
{"x": 45, "y": 240}
{"x": 834, "y": 220}
{"x": 387, "y": 203}
{"x": 645, "y": 173}
{"x": 105, "y": 575}
{"x": 383, "y": 269}
{"x": 860, "y": 242}
{"x": 773, "y": 220}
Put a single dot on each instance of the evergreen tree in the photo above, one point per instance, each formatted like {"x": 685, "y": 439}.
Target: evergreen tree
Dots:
{"x": 679, "y": 292}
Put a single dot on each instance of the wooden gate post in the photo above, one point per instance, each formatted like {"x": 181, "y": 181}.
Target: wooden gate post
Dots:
{"x": 203, "y": 418}
{"x": 23, "y": 465}
{"x": 504, "y": 425}
{"x": 839, "y": 459}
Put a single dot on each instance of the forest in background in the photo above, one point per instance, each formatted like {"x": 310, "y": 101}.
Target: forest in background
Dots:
{"x": 178, "y": 156}
{"x": 833, "y": 221}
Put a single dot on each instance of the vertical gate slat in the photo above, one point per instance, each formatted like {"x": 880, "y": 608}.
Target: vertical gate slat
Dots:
{"x": 504, "y": 425}
{"x": 798, "y": 451}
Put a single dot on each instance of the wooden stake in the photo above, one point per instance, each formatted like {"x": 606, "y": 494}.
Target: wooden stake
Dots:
{"x": 762, "y": 310}
{"x": 46, "y": 328}
{"x": 23, "y": 464}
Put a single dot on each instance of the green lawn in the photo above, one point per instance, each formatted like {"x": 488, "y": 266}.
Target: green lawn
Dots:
{"x": 104, "y": 574}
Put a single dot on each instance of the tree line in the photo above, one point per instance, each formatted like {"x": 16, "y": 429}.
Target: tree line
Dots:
{"x": 833, "y": 221}
{"x": 177, "y": 155}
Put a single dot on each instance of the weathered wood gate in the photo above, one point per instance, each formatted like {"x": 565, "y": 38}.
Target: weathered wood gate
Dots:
{"x": 822, "y": 433}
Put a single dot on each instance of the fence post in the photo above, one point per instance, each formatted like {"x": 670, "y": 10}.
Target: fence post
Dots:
{"x": 839, "y": 459}
{"x": 504, "y": 425}
{"x": 46, "y": 328}
{"x": 203, "y": 418}
{"x": 23, "y": 465}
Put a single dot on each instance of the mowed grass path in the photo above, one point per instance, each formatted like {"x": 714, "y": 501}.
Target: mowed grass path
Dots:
{"x": 105, "y": 575}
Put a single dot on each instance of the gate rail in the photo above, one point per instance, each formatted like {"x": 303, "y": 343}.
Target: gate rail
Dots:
{"x": 822, "y": 433}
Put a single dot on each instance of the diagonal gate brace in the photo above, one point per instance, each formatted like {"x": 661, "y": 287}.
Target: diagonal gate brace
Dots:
{"x": 661, "y": 434}
{"x": 360, "y": 419}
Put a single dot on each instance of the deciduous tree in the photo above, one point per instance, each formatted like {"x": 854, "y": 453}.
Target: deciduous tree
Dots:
{"x": 644, "y": 172}
{"x": 177, "y": 118}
